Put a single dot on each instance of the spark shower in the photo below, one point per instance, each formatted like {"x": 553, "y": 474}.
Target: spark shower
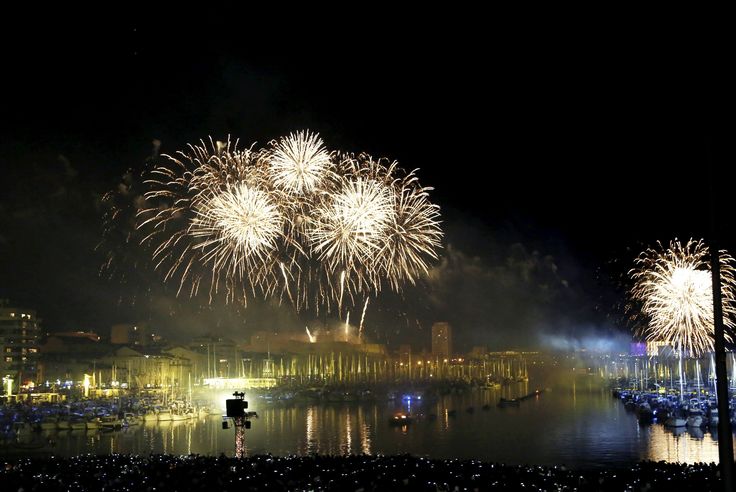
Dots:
{"x": 292, "y": 220}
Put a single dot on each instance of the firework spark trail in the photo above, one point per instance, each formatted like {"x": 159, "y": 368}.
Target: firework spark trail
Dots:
{"x": 342, "y": 290}
{"x": 674, "y": 286}
{"x": 362, "y": 318}
{"x": 292, "y": 220}
{"x": 312, "y": 338}
{"x": 347, "y": 325}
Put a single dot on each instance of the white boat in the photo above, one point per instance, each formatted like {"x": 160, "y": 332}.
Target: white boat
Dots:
{"x": 78, "y": 423}
{"x": 695, "y": 419}
{"x": 164, "y": 416}
{"x": 130, "y": 419}
{"x": 94, "y": 423}
{"x": 150, "y": 417}
{"x": 23, "y": 431}
{"x": 64, "y": 424}
{"x": 675, "y": 422}
{"x": 111, "y": 422}
{"x": 713, "y": 418}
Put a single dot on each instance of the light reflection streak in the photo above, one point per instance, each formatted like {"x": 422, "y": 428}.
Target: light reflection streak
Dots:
{"x": 349, "y": 433}
{"x": 679, "y": 446}
{"x": 189, "y": 439}
{"x": 364, "y": 429}
{"x": 310, "y": 431}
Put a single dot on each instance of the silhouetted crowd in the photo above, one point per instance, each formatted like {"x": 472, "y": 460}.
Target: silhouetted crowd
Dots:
{"x": 352, "y": 473}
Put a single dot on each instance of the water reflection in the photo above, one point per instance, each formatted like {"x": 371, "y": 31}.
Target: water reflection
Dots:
{"x": 578, "y": 426}
{"x": 681, "y": 444}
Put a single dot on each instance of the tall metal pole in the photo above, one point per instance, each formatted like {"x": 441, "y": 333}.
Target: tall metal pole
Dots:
{"x": 725, "y": 438}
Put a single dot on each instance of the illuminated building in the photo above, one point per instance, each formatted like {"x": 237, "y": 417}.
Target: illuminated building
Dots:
{"x": 222, "y": 356}
{"x": 133, "y": 334}
{"x": 478, "y": 352}
{"x": 442, "y": 339}
{"x": 19, "y": 332}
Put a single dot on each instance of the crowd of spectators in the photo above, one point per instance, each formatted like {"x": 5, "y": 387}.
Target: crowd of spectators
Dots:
{"x": 360, "y": 473}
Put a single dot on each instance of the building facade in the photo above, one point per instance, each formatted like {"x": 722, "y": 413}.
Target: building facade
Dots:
{"x": 442, "y": 339}
{"x": 19, "y": 333}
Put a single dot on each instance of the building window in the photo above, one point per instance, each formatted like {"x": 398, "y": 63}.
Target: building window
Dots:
{"x": 8, "y": 359}
{"x": 8, "y": 349}
{"x": 32, "y": 350}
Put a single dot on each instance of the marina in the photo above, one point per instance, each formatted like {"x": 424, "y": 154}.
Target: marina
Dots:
{"x": 578, "y": 423}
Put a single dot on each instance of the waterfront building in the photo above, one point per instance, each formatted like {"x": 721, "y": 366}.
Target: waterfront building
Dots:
{"x": 19, "y": 333}
{"x": 441, "y": 339}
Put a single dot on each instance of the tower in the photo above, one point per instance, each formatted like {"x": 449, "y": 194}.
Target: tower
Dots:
{"x": 442, "y": 339}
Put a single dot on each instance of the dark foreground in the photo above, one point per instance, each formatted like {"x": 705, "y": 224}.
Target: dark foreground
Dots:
{"x": 354, "y": 473}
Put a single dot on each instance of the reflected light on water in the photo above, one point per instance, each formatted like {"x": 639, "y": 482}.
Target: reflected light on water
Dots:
{"x": 580, "y": 428}
{"x": 686, "y": 446}
{"x": 310, "y": 431}
{"x": 348, "y": 434}
{"x": 364, "y": 429}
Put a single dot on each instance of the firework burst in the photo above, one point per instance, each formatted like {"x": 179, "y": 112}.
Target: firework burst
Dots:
{"x": 292, "y": 220}
{"x": 299, "y": 163}
{"x": 674, "y": 286}
{"x": 351, "y": 226}
{"x": 237, "y": 230}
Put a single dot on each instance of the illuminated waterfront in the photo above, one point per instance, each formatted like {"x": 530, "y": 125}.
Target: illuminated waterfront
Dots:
{"x": 576, "y": 425}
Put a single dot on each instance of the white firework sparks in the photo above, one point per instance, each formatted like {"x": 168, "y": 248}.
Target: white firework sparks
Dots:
{"x": 675, "y": 287}
{"x": 242, "y": 220}
{"x": 299, "y": 163}
{"x": 294, "y": 220}
{"x": 351, "y": 227}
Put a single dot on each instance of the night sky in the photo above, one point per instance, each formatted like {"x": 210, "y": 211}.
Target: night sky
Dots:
{"x": 556, "y": 154}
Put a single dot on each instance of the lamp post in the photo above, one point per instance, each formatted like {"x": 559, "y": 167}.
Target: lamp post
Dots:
{"x": 725, "y": 439}
{"x": 8, "y": 383}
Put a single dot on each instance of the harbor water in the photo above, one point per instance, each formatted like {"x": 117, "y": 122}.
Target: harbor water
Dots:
{"x": 578, "y": 425}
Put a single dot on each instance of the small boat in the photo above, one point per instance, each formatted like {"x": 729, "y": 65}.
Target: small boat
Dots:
{"x": 78, "y": 423}
{"x": 29, "y": 446}
{"x": 111, "y": 422}
{"x": 23, "y": 431}
{"x": 150, "y": 417}
{"x": 400, "y": 418}
{"x": 48, "y": 423}
{"x": 164, "y": 416}
{"x": 713, "y": 417}
{"x": 130, "y": 419}
{"x": 94, "y": 423}
{"x": 695, "y": 417}
{"x": 64, "y": 424}
{"x": 675, "y": 421}
{"x": 505, "y": 402}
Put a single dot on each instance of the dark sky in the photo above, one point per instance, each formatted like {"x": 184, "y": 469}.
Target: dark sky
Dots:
{"x": 556, "y": 152}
